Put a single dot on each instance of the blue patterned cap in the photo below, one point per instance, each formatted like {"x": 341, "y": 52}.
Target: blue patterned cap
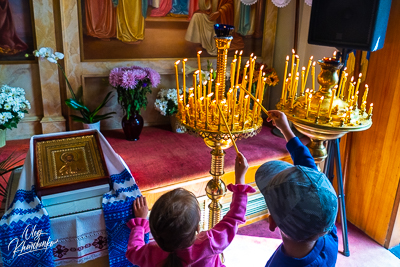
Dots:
{"x": 301, "y": 200}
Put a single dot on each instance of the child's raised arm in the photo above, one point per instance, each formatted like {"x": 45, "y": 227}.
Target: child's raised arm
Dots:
{"x": 299, "y": 152}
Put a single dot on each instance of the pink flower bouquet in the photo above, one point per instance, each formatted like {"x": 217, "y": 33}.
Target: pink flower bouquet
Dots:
{"x": 133, "y": 84}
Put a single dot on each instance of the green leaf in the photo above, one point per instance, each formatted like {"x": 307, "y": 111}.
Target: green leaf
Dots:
{"x": 105, "y": 101}
{"x": 80, "y": 119}
{"x": 101, "y": 117}
{"x": 74, "y": 104}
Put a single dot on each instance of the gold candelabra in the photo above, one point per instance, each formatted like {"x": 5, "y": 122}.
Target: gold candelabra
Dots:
{"x": 328, "y": 113}
{"x": 214, "y": 114}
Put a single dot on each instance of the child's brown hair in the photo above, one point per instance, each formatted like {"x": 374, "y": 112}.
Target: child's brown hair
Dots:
{"x": 174, "y": 220}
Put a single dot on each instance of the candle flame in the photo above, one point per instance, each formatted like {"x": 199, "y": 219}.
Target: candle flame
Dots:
{"x": 211, "y": 71}
{"x": 372, "y": 104}
{"x": 236, "y": 52}
{"x": 345, "y": 68}
{"x": 297, "y": 74}
{"x": 262, "y": 67}
{"x": 303, "y": 68}
{"x": 214, "y": 101}
{"x": 247, "y": 96}
{"x": 248, "y": 62}
{"x": 201, "y": 98}
{"x": 334, "y": 53}
{"x": 210, "y": 95}
{"x": 177, "y": 62}
{"x": 310, "y": 96}
{"x": 322, "y": 97}
{"x": 336, "y": 86}
{"x": 287, "y": 58}
{"x": 346, "y": 74}
{"x": 307, "y": 90}
{"x": 287, "y": 79}
{"x": 196, "y": 72}
{"x": 314, "y": 64}
{"x": 187, "y": 106}
{"x": 185, "y": 59}
{"x": 366, "y": 86}
{"x": 352, "y": 98}
{"x": 245, "y": 77}
{"x": 252, "y": 54}
{"x": 241, "y": 52}
{"x": 297, "y": 57}
{"x": 254, "y": 58}
{"x": 352, "y": 79}
{"x": 205, "y": 83}
{"x": 191, "y": 95}
{"x": 263, "y": 73}
{"x": 360, "y": 75}
{"x": 290, "y": 75}
{"x": 311, "y": 58}
{"x": 199, "y": 52}
{"x": 234, "y": 60}
{"x": 265, "y": 79}
{"x": 293, "y": 52}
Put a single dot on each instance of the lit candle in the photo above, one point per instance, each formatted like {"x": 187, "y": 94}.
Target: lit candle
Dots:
{"x": 238, "y": 68}
{"x": 244, "y": 82}
{"x": 296, "y": 83}
{"x": 303, "y": 85}
{"x": 184, "y": 80}
{"x": 356, "y": 101}
{"x": 358, "y": 82}
{"x": 293, "y": 58}
{"x": 284, "y": 77}
{"x": 245, "y": 69}
{"x": 233, "y": 67}
{"x": 319, "y": 106}
{"x": 235, "y": 56}
{"x": 213, "y": 107}
{"x": 306, "y": 96}
{"x": 308, "y": 69}
{"x": 200, "y": 106}
{"x": 308, "y": 105}
{"x": 343, "y": 85}
{"x": 313, "y": 76}
{"x": 191, "y": 96}
{"x": 210, "y": 81}
{"x": 297, "y": 64}
{"x": 177, "y": 79}
{"x": 229, "y": 96}
{"x": 331, "y": 103}
{"x": 195, "y": 79}
{"x": 364, "y": 106}
{"x": 255, "y": 111}
{"x": 199, "y": 65}
{"x": 351, "y": 101}
{"x": 251, "y": 74}
{"x": 350, "y": 91}
{"x": 289, "y": 83}
{"x": 258, "y": 90}
{"x": 286, "y": 90}
{"x": 264, "y": 80}
{"x": 365, "y": 93}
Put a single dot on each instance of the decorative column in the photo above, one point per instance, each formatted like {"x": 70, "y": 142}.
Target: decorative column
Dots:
{"x": 52, "y": 120}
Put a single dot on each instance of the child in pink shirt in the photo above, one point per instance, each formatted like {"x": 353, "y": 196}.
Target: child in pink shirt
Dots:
{"x": 174, "y": 222}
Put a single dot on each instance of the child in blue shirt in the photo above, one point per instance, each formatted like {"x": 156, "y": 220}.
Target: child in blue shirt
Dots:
{"x": 302, "y": 204}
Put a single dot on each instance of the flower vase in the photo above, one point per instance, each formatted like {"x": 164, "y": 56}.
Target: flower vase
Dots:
{"x": 95, "y": 125}
{"x": 132, "y": 127}
{"x": 176, "y": 126}
{"x": 2, "y": 138}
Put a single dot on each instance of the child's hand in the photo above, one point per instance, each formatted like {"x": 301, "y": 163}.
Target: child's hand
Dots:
{"x": 241, "y": 167}
{"x": 279, "y": 120}
{"x": 140, "y": 207}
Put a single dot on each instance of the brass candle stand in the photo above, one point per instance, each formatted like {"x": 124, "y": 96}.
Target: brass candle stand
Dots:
{"x": 201, "y": 116}
{"x": 321, "y": 118}
{"x": 327, "y": 115}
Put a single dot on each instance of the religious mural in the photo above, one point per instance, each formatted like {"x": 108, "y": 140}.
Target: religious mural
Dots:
{"x": 127, "y": 29}
{"x": 16, "y": 30}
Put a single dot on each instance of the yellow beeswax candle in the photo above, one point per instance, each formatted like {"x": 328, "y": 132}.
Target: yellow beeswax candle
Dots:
{"x": 308, "y": 69}
{"x": 284, "y": 77}
{"x": 195, "y": 79}
{"x": 306, "y": 96}
{"x": 258, "y": 90}
{"x": 235, "y": 56}
{"x": 365, "y": 93}
{"x": 233, "y": 67}
{"x": 262, "y": 86}
{"x": 184, "y": 80}
{"x": 370, "y": 109}
{"x": 177, "y": 78}
{"x": 217, "y": 85}
{"x": 350, "y": 91}
{"x": 296, "y": 83}
{"x": 238, "y": 68}
{"x": 297, "y": 64}
{"x": 210, "y": 81}
{"x": 313, "y": 76}
{"x": 243, "y": 119}
{"x": 199, "y": 66}
{"x": 332, "y": 98}
{"x": 251, "y": 74}
{"x": 355, "y": 104}
{"x": 213, "y": 105}
{"x": 358, "y": 82}
{"x": 308, "y": 105}
{"x": 319, "y": 106}
{"x": 254, "y": 111}
{"x": 293, "y": 59}
{"x": 351, "y": 101}
{"x": 187, "y": 113}
{"x": 364, "y": 106}
{"x": 303, "y": 85}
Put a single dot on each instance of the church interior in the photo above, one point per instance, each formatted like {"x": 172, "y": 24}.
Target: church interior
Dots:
{"x": 113, "y": 105}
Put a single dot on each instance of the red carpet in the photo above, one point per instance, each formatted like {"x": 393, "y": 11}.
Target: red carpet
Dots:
{"x": 162, "y": 157}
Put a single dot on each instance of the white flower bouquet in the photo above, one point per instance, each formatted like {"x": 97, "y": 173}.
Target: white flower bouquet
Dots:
{"x": 13, "y": 106}
{"x": 167, "y": 102}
